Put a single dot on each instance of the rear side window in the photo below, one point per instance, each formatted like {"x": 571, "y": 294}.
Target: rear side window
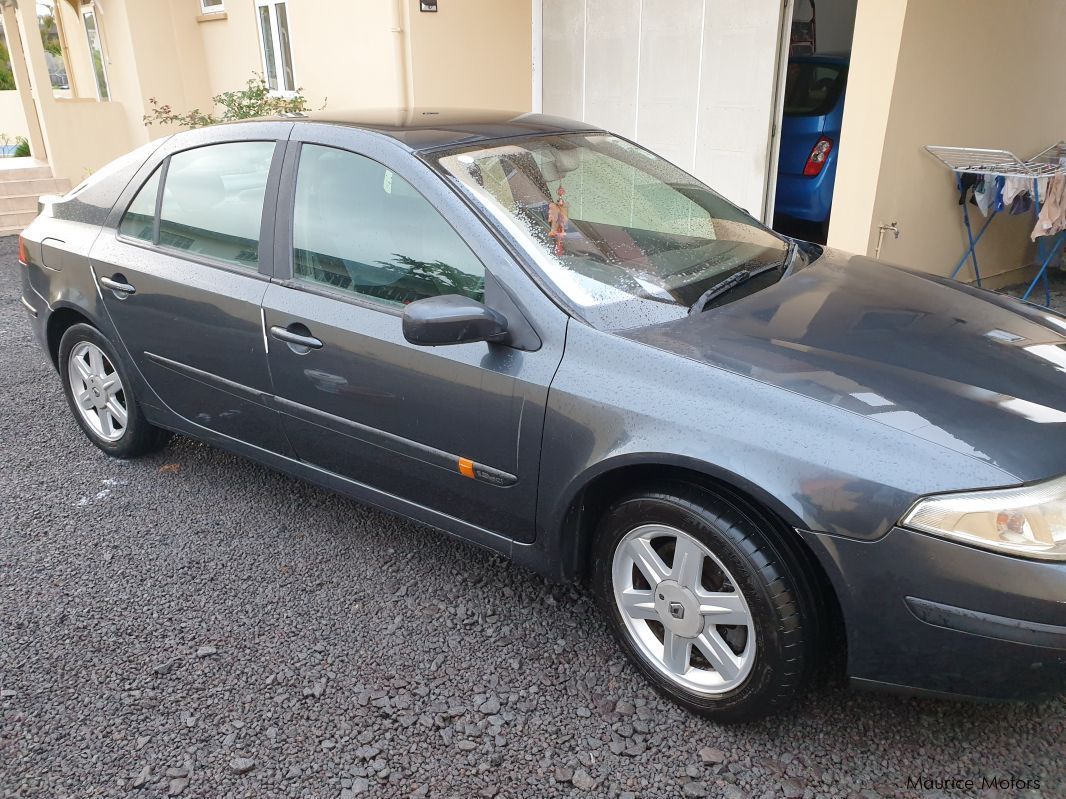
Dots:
{"x": 363, "y": 229}
{"x": 213, "y": 201}
{"x": 812, "y": 88}
{"x": 139, "y": 219}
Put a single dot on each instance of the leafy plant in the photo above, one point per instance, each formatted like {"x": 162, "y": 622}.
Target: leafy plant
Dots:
{"x": 22, "y": 147}
{"x": 7, "y": 77}
{"x": 254, "y": 100}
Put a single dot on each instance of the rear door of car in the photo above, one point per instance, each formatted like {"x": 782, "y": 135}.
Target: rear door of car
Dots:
{"x": 182, "y": 268}
{"x": 365, "y": 228}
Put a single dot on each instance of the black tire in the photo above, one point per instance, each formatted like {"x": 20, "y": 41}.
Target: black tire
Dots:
{"x": 139, "y": 436}
{"x": 773, "y": 580}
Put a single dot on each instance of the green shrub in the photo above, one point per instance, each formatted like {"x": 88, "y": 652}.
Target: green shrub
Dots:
{"x": 22, "y": 147}
{"x": 254, "y": 100}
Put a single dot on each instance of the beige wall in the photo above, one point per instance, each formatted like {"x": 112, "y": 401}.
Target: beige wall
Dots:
{"x": 363, "y": 53}
{"x": 977, "y": 73}
{"x": 472, "y": 54}
{"x": 12, "y": 116}
{"x": 346, "y": 54}
{"x": 65, "y": 133}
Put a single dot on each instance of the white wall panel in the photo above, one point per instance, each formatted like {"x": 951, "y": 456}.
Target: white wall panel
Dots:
{"x": 563, "y": 56}
{"x": 691, "y": 79}
{"x": 613, "y": 36}
{"x": 669, "y": 77}
{"x": 736, "y": 102}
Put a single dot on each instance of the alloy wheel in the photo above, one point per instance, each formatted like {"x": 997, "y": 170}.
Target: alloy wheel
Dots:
{"x": 98, "y": 391}
{"x": 682, "y": 609}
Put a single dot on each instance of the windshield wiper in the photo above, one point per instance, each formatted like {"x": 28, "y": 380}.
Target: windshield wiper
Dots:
{"x": 728, "y": 284}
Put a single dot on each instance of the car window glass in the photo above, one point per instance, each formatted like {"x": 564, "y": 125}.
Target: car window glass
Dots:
{"x": 213, "y": 201}
{"x": 626, "y": 235}
{"x": 138, "y": 220}
{"x": 361, "y": 228}
{"x": 812, "y": 89}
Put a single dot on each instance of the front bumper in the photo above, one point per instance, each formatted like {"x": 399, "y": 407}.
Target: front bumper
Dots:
{"x": 929, "y": 615}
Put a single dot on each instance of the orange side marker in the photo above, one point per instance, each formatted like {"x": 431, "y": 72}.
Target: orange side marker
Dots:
{"x": 466, "y": 467}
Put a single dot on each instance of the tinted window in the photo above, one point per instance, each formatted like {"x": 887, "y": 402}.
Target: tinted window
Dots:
{"x": 812, "y": 89}
{"x": 213, "y": 201}
{"x": 138, "y": 220}
{"x": 361, "y": 228}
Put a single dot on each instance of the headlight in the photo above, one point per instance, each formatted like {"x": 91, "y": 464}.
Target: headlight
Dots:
{"x": 1029, "y": 521}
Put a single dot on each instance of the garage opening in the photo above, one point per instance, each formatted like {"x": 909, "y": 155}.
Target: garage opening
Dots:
{"x": 815, "y": 87}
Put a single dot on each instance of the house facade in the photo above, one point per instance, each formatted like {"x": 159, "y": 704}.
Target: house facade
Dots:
{"x": 699, "y": 81}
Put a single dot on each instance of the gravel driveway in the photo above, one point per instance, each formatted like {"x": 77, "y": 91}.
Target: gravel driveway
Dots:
{"x": 194, "y": 624}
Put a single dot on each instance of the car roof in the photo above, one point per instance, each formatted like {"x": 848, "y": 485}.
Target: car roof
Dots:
{"x": 421, "y": 129}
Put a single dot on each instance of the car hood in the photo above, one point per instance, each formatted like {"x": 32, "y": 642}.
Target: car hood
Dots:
{"x": 977, "y": 372}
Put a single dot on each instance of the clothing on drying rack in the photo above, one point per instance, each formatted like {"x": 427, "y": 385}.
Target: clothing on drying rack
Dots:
{"x": 1053, "y": 211}
{"x": 1021, "y": 204}
{"x": 1017, "y": 194}
{"x": 986, "y": 194}
{"x": 1013, "y": 186}
{"x": 967, "y": 181}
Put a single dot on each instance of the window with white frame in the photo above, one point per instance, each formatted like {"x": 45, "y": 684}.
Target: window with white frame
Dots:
{"x": 212, "y": 6}
{"x": 273, "y": 19}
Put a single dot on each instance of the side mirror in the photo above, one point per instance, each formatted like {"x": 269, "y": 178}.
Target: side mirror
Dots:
{"x": 451, "y": 319}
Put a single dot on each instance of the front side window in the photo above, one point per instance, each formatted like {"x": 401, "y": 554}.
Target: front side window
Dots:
{"x": 139, "y": 220}
{"x": 361, "y": 228}
{"x": 273, "y": 20}
{"x": 212, "y": 6}
{"x": 629, "y": 238}
{"x": 213, "y": 201}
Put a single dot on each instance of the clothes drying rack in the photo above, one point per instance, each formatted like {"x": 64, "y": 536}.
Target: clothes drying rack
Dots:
{"x": 1003, "y": 163}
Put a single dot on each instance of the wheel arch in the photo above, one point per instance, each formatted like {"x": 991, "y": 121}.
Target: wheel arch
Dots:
{"x": 61, "y": 319}
{"x": 601, "y": 486}
{"x": 592, "y": 492}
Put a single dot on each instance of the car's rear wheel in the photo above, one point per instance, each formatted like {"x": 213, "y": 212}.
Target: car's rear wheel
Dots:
{"x": 705, "y": 601}
{"x": 101, "y": 396}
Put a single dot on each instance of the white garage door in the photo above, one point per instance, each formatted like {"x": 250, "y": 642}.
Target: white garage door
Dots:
{"x": 691, "y": 79}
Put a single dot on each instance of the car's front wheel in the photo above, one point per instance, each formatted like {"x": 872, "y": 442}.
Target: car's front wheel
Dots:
{"x": 705, "y": 601}
{"x": 101, "y": 396}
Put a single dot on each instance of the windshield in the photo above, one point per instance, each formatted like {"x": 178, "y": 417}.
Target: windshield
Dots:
{"x": 629, "y": 238}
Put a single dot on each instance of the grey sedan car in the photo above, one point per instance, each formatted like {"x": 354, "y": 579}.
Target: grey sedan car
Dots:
{"x": 540, "y": 337}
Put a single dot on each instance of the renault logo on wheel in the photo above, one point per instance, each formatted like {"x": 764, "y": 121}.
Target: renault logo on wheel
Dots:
{"x": 677, "y": 610}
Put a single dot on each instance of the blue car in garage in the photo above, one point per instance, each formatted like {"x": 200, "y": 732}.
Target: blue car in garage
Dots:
{"x": 810, "y": 138}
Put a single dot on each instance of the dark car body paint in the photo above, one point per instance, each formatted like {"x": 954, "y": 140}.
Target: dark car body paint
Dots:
{"x": 836, "y": 398}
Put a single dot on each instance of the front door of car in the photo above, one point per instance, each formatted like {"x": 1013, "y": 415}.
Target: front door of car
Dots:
{"x": 456, "y": 429}
{"x": 182, "y": 275}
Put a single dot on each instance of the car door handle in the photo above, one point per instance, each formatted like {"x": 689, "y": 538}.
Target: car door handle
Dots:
{"x": 291, "y": 337}
{"x": 117, "y": 285}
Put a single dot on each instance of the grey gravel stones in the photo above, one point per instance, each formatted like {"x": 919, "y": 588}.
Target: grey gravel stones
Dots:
{"x": 583, "y": 780}
{"x": 425, "y": 661}
{"x": 142, "y": 777}
{"x": 241, "y": 765}
{"x": 206, "y": 651}
{"x": 711, "y": 755}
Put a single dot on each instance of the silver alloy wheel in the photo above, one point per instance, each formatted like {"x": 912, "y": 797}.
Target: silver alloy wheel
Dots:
{"x": 682, "y": 609}
{"x": 97, "y": 390}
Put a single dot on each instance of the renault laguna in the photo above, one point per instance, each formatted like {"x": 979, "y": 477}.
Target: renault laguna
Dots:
{"x": 540, "y": 337}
